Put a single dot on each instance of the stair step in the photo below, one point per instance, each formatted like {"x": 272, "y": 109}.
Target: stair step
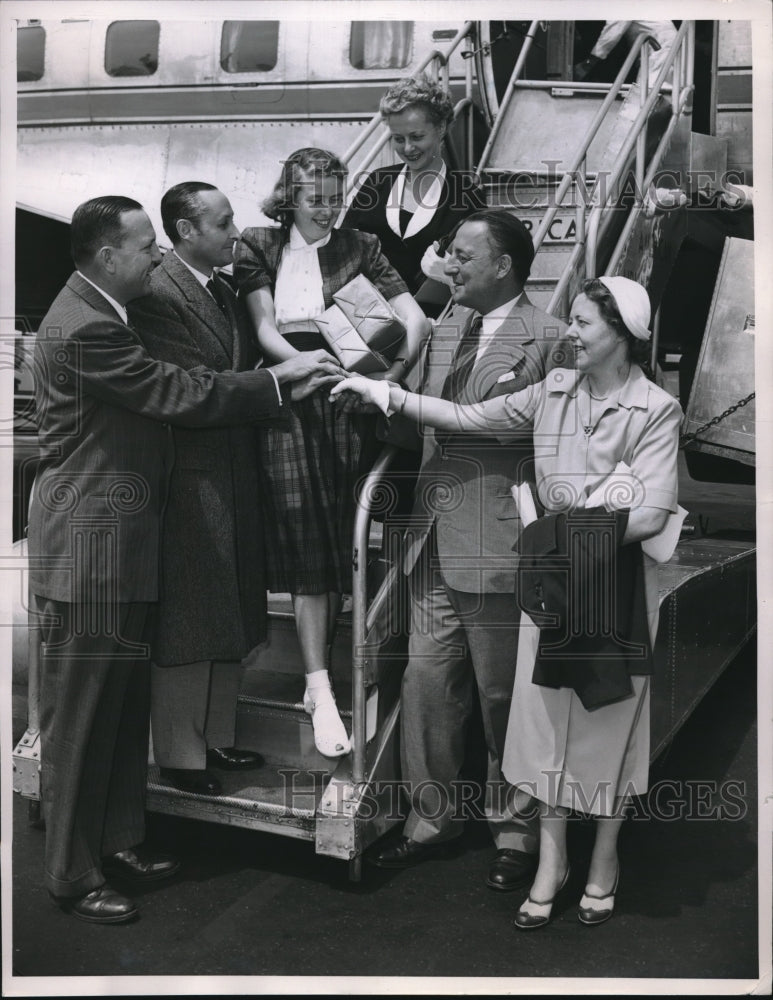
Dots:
{"x": 271, "y": 720}
{"x": 276, "y": 799}
{"x": 543, "y": 131}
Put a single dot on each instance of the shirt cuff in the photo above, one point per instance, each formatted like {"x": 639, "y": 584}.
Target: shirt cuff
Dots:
{"x": 276, "y": 385}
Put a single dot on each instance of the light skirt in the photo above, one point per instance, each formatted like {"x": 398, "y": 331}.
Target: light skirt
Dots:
{"x": 567, "y": 756}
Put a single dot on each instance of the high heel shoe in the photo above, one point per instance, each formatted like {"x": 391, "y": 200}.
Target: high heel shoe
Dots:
{"x": 330, "y": 736}
{"x": 591, "y": 913}
{"x": 526, "y": 921}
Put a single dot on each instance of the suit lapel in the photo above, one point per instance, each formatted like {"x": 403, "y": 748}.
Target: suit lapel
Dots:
{"x": 512, "y": 344}
{"x": 92, "y": 295}
{"x": 201, "y": 303}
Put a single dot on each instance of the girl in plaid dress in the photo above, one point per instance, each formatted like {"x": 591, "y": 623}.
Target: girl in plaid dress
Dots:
{"x": 313, "y": 461}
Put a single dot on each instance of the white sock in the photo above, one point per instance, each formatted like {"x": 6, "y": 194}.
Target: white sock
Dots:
{"x": 317, "y": 679}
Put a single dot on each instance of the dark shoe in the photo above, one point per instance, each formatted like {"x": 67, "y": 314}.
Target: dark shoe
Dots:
{"x": 140, "y": 866}
{"x": 511, "y": 870}
{"x": 231, "y": 759}
{"x": 404, "y": 853}
{"x": 101, "y": 906}
{"x": 190, "y": 780}
{"x": 540, "y": 912}
{"x": 595, "y": 910}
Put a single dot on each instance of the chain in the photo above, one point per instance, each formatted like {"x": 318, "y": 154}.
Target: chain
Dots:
{"x": 487, "y": 46}
{"x": 687, "y": 438}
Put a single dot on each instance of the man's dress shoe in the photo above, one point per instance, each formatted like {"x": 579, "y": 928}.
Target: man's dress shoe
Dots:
{"x": 191, "y": 780}
{"x": 140, "y": 866}
{"x": 511, "y": 870}
{"x": 231, "y": 759}
{"x": 404, "y": 853}
{"x": 100, "y": 906}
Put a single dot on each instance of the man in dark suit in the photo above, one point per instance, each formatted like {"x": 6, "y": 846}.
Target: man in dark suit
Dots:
{"x": 104, "y": 407}
{"x": 464, "y": 616}
{"x": 212, "y": 606}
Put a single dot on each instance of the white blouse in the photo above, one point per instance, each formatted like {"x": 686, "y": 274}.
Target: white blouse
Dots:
{"x": 298, "y": 289}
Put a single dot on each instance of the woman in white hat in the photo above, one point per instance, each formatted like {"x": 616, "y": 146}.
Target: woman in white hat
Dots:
{"x": 601, "y": 428}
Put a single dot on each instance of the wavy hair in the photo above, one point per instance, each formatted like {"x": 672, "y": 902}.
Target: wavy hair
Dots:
{"x": 282, "y": 201}
{"x": 418, "y": 91}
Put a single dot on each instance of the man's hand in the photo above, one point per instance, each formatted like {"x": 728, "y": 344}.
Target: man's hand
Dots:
{"x": 305, "y": 386}
{"x": 308, "y": 363}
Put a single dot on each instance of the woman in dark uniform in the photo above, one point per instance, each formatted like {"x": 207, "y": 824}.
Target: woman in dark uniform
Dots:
{"x": 412, "y": 205}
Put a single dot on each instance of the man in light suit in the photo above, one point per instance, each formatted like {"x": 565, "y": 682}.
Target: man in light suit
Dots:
{"x": 464, "y": 616}
{"x": 212, "y": 607}
{"x": 104, "y": 407}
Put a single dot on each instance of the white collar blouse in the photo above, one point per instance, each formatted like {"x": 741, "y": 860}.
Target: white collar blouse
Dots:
{"x": 298, "y": 292}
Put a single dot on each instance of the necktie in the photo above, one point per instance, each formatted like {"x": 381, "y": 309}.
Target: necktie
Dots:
{"x": 216, "y": 294}
{"x": 463, "y": 362}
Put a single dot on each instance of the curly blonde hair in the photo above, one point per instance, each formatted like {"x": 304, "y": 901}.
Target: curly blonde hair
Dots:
{"x": 419, "y": 91}
{"x": 281, "y": 203}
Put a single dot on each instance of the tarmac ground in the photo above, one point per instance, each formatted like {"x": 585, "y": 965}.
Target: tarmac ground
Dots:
{"x": 252, "y": 904}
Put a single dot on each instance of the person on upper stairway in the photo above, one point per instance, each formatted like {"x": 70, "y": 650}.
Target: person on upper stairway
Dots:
{"x": 412, "y": 205}
{"x": 663, "y": 32}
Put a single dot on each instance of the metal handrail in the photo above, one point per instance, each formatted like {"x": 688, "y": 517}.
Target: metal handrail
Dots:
{"x": 657, "y": 156}
{"x": 598, "y": 217}
{"x": 637, "y": 129}
{"x": 571, "y": 174}
{"x": 362, "y": 519}
{"x": 514, "y": 77}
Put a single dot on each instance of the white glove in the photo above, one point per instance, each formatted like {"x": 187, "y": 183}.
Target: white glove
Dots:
{"x": 737, "y": 196}
{"x": 433, "y": 266}
{"x": 369, "y": 391}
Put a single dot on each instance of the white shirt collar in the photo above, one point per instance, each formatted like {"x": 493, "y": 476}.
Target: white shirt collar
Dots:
{"x": 492, "y": 321}
{"x": 201, "y": 278}
{"x": 430, "y": 200}
{"x": 116, "y": 305}
{"x": 297, "y": 242}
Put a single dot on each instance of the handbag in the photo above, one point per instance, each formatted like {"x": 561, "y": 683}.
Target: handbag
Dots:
{"x": 361, "y": 327}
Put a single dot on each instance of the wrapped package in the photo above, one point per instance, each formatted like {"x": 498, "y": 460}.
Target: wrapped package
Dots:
{"x": 362, "y": 329}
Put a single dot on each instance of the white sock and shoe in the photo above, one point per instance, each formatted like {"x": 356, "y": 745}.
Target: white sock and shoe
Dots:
{"x": 319, "y": 702}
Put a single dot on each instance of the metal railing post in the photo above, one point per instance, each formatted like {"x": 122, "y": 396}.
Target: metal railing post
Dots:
{"x": 362, "y": 519}
{"x": 641, "y": 142}
{"x": 655, "y": 339}
{"x": 637, "y": 128}
{"x": 514, "y": 77}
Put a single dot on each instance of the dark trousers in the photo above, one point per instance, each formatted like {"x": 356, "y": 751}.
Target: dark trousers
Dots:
{"x": 94, "y": 720}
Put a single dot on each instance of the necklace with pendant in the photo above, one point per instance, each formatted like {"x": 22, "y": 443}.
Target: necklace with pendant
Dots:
{"x": 590, "y": 427}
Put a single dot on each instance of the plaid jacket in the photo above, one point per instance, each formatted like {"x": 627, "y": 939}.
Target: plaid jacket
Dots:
{"x": 347, "y": 254}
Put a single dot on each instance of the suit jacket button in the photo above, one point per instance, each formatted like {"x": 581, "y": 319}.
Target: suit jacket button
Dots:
{"x": 220, "y": 359}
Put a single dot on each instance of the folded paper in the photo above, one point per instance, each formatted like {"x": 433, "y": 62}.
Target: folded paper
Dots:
{"x": 363, "y": 330}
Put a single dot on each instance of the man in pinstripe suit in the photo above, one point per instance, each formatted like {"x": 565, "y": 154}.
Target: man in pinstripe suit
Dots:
{"x": 104, "y": 407}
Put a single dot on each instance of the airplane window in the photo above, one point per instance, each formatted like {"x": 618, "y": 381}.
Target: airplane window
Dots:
{"x": 249, "y": 46}
{"x": 30, "y": 51}
{"x": 381, "y": 44}
{"x": 131, "y": 48}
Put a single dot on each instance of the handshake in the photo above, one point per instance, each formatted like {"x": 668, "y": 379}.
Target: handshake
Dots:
{"x": 308, "y": 371}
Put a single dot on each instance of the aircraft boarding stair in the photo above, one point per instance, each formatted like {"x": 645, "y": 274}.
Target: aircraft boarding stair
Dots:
{"x": 574, "y": 161}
